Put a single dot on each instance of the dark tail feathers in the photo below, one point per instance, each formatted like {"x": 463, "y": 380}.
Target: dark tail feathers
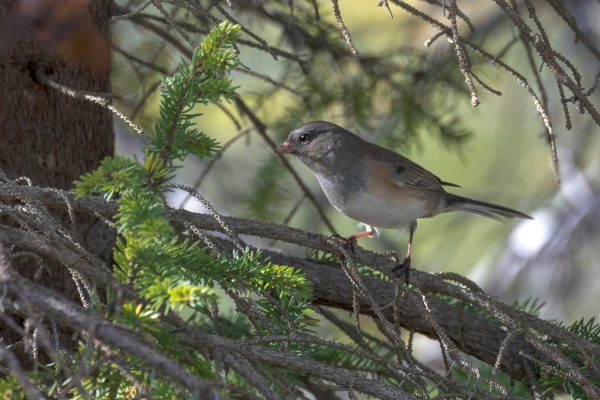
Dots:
{"x": 493, "y": 211}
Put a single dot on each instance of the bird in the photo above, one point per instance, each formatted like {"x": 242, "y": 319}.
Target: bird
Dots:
{"x": 376, "y": 186}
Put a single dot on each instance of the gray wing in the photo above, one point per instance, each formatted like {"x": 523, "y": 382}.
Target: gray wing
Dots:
{"x": 406, "y": 173}
{"x": 412, "y": 175}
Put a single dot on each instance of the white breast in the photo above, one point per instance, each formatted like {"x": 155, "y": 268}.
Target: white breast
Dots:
{"x": 373, "y": 210}
{"x": 384, "y": 205}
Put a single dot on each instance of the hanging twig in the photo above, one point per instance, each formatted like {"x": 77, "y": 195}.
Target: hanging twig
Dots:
{"x": 345, "y": 32}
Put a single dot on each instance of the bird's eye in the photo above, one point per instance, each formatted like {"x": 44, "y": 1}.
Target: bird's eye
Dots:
{"x": 304, "y": 138}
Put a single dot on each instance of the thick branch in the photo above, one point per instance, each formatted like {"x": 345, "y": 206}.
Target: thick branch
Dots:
{"x": 430, "y": 283}
{"x": 471, "y": 334}
{"x": 52, "y": 304}
{"x": 343, "y": 378}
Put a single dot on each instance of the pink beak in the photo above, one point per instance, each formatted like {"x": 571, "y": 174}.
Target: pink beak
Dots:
{"x": 284, "y": 148}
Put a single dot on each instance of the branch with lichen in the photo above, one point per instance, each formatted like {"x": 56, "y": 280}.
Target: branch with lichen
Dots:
{"x": 332, "y": 289}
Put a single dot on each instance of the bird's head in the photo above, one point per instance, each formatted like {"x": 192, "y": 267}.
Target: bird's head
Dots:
{"x": 319, "y": 145}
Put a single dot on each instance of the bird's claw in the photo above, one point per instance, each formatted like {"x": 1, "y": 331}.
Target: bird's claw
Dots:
{"x": 403, "y": 266}
{"x": 349, "y": 242}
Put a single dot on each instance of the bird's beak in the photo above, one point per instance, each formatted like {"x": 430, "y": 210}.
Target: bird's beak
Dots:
{"x": 284, "y": 148}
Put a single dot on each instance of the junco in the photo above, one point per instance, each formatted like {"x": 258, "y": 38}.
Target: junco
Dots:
{"x": 376, "y": 186}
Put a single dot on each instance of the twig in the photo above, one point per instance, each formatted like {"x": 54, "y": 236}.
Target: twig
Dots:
{"x": 485, "y": 85}
{"x": 539, "y": 106}
{"x": 173, "y": 23}
{"x": 520, "y": 79}
{"x": 42, "y": 77}
{"x": 196, "y": 29}
{"x": 345, "y": 32}
{"x": 572, "y": 23}
{"x": 234, "y": 237}
{"x": 133, "y": 13}
{"x": 435, "y": 37}
{"x": 594, "y": 86}
{"x": 277, "y": 84}
{"x": 533, "y": 15}
{"x": 507, "y": 47}
{"x": 532, "y": 380}
{"x": 260, "y": 40}
{"x": 138, "y": 60}
{"x": 145, "y": 98}
{"x": 573, "y": 373}
{"x": 383, "y": 3}
{"x": 75, "y": 93}
{"x": 144, "y": 23}
{"x": 462, "y": 61}
{"x": 233, "y": 119}
{"x": 503, "y": 347}
{"x": 422, "y": 304}
{"x": 256, "y": 379}
{"x": 290, "y": 215}
{"x": 316, "y": 8}
{"x": 548, "y": 55}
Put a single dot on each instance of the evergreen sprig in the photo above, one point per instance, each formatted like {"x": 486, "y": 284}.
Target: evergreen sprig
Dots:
{"x": 172, "y": 274}
{"x": 551, "y": 383}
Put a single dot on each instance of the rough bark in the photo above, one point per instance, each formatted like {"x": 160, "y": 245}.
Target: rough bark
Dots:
{"x": 51, "y": 138}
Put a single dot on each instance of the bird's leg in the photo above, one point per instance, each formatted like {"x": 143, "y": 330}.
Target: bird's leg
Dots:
{"x": 350, "y": 241}
{"x": 405, "y": 264}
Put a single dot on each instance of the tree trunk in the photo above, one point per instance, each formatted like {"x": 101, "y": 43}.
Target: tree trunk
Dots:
{"x": 53, "y": 139}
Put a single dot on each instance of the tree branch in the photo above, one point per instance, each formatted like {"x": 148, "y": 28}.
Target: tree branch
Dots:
{"x": 471, "y": 334}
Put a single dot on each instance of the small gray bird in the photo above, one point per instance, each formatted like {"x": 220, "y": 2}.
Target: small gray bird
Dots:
{"x": 376, "y": 186}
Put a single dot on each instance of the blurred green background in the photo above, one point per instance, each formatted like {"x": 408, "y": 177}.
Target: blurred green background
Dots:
{"x": 506, "y": 160}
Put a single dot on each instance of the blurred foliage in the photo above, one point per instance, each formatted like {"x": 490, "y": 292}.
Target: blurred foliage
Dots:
{"x": 11, "y": 389}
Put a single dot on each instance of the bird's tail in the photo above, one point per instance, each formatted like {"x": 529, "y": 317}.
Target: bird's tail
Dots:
{"x": 499, "y": 213}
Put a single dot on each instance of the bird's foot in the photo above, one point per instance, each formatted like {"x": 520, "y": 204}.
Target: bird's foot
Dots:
{"x": 404, "y": 266}
{"x": 349, "y": 242}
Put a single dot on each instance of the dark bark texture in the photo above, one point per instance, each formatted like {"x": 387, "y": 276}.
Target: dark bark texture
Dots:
{"x": 50, "y": 137}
